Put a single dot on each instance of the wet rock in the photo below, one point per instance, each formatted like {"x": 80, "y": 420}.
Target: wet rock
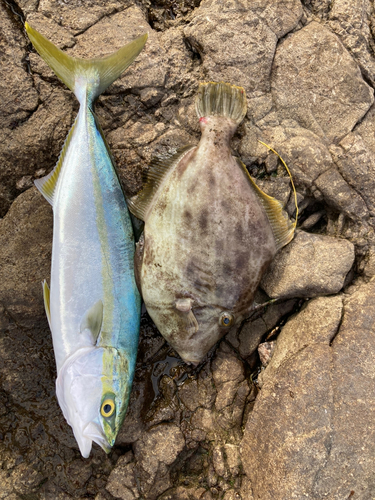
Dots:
{"x": 247, "y": 338}
{"x": 337, "y": 83}
{"x": 254, "y": 28}
{"x": 310, "y": 265}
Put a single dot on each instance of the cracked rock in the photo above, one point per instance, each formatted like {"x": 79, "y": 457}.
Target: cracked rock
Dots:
{"x": 295, "y": 405}
{"x": 253, "y": 27}
{"x": 337, "y": 83}
{"x": 309, "y": 266}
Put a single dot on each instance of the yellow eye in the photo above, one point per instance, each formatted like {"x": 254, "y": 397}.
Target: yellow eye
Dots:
{"x": 226, "y": 319}
{"x": 108, "y": 408}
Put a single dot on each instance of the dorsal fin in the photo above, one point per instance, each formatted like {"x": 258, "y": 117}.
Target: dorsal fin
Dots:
{"x": 282, "y": 227}
{"x": 46, "y": 297}
{"x": 159, "y": 169}
{"x": 47, "y": 184}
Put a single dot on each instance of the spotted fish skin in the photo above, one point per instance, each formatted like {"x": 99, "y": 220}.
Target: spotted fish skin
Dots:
{"x": 93, "y": 305}
{"x": 207, "y": 242}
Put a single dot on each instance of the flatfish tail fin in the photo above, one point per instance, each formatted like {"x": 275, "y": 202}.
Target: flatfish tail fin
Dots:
{"x": 87, "y": 78}
{"x": 221, "y": 99}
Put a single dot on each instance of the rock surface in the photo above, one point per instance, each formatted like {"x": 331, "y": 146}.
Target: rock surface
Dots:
{"x": 310, "y": 265}
{"x": 308, "y": 70}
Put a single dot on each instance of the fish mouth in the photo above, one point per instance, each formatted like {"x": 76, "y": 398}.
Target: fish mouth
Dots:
{"x": 93, "y": 432}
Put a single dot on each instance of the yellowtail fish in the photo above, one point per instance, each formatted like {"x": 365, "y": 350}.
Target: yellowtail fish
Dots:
{"x": 93, "y": 306}
{"x": 209, "y": 234}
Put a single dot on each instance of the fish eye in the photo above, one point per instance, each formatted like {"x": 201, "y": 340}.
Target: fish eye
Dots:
{"x": 108, "y": 408}
{"x": 226, "y": 319}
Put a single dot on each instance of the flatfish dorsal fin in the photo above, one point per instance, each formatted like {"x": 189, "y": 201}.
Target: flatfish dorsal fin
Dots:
{"x": 158, "y": 171}
{"x": 282, "y": 227}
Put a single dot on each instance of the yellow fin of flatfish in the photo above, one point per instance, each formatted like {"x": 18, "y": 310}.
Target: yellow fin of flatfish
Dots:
{"x": 46, "y": 297}
{"x": 93, "y": 319}
{"x": 221, "y": 99}
{"x": 47, "y": 184}
{"x": 159, "y": 169}
{"x": 282, "y": 227}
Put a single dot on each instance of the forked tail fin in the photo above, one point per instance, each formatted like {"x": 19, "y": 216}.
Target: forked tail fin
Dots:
{"x": 94, "y": 74}
{"x": 221, "y": 99}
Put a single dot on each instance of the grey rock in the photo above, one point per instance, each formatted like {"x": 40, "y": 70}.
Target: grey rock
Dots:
{"x": 295, "y": 407}
{"x": 352, "y": 381}
{"x": 254, "y": 28}
{"x": 309, "y": 266}
{"x": 350, "y": 21}
{"x": 157, "y": 448}
{"x": 337, "y": 83}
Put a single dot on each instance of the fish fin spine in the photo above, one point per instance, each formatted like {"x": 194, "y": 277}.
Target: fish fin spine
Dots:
{"x": 46, "y": 298}
{"x": 282, "y": 227}
{"x": 221, "y": 99}
{"x": 158, "y": 171}
{"x": 86, "y": 76}
{"x": 47, "y": 185}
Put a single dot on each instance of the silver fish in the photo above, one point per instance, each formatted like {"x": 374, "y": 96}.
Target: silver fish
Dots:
{"x": 93, "y": 307}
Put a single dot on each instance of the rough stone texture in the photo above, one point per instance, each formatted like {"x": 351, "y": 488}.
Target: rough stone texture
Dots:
{"x": 337, "y": 83}
{"x": 182, "y": 433}
{"x": 310, "y": 265}
{"x": 311, "y": 409}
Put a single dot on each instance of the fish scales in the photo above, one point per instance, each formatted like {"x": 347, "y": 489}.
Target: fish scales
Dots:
{"x": 208, "y": 238}
{"x": 93, "y": 305}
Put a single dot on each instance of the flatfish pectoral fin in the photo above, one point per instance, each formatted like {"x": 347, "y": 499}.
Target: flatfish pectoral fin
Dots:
{"x": 92, "y": 320}
{"x": 282, "y": 227}
{"x": 184, "y": 306}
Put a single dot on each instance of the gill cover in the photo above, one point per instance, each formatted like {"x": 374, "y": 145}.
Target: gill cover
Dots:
{"x": 93, "y": 389}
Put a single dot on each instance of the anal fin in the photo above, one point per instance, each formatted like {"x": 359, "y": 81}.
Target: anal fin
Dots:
{"x": 282, "y": 227}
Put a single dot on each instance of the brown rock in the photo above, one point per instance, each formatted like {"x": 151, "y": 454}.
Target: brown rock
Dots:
{"x": 309, "y": 266}
{"x": 337, "y": 83}
{"x": 245, "y": 57}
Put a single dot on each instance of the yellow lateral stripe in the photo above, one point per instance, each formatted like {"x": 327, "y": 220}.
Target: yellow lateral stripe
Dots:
{"x": 290, "y": 176}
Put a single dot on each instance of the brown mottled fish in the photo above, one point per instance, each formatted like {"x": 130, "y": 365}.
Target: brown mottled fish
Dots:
{"x": 210, "y": 232}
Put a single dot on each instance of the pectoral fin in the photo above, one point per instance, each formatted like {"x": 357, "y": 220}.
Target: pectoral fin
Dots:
{"x": 282, "y": 227}
{"x": 46, "y": 297}
{"x": 185, "y": 307}
{"x": 92, "y": 320}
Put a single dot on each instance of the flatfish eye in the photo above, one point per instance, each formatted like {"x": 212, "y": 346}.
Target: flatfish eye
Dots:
{"x": 226, "y": 319}
{"x": 108, "y": 408}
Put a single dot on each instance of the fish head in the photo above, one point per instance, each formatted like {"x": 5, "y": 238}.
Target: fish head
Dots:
{"x": 93, "y": 388}
{"x": 192, "y": 327}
